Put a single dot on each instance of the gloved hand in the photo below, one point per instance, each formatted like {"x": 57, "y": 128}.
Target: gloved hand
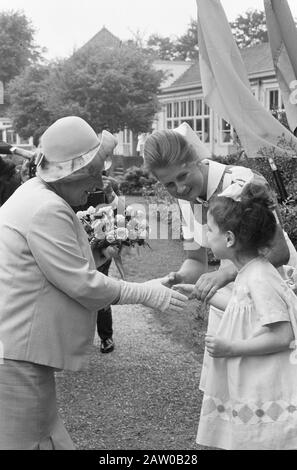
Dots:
{"x": 152, "y": 294}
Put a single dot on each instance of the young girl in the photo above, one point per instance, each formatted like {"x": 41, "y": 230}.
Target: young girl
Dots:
{"x": 250, "y": 397}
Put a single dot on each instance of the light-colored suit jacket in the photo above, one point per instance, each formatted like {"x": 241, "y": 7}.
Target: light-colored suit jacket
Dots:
{"x": 50, "y": 289}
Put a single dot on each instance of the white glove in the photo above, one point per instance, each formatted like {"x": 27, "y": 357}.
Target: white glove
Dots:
{"x": 152, "y": 294}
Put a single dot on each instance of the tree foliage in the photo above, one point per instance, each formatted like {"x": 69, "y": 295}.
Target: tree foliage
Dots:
{"x": 250, "y": 28}
{"x": 111, "y": 89}
{"x": 187, "y": 44}
{"x": 17, "y": 48}
{"x": 184, "y": 47}
{"x": 162, "y": 47}
{"x": 29, "y": 100}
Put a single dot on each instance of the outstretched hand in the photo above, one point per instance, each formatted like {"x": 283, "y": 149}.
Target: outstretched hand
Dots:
{"x": 171, "y": 279}
{"x": 185, "y": 289}
{"x": 164, "y": 298}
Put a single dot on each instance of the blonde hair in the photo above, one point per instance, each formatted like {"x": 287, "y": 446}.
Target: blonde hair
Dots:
{"x": 164, "y": 148}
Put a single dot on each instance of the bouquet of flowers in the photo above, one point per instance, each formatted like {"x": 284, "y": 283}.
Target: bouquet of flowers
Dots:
{"x": 106, "y": 228}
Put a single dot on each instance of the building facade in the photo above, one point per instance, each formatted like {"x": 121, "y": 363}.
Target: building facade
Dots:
{"x": 182, "y": 100}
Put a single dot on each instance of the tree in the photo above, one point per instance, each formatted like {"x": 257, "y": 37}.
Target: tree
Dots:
{"x": 111, "y": 89}
{"x": 163, "y": 48}
{"x": 250, "y": 28}
{"x": 17, "y": 48}
{"x": 186, "y": 46}
{"x": 29, "y": 100}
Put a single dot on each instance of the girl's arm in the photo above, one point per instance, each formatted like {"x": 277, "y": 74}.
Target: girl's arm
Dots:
{"x": 219, "y": 300}
{"x": 275, "y": 338}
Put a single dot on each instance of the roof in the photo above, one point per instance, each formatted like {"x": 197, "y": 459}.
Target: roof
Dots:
{"x": 173, "y": 68}
{"x": 257, "y": 60}
{"x": 103, "y": 39}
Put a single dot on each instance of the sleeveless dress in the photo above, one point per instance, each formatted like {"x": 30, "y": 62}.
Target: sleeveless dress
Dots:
{"x": 251, "y": 402}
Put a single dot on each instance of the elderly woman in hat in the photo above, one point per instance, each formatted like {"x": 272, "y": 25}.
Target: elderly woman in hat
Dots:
{"x": 50, "y": 288}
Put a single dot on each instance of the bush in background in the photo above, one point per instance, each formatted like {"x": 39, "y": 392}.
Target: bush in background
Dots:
{"x": 288, "y": 212}
{"x": 287, "y": 167}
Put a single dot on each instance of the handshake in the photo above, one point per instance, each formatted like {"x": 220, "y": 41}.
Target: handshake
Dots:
{"x": 171, "y": 293}
{"x": 211, "y": 287}
{"x": 204, "y": 289}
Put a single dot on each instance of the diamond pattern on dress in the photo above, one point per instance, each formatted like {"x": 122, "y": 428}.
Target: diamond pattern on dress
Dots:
{"x": 245, "y": 414}
{"x": 274, "y": 411}
{"x": 248, "y": 413}
{"x": 208, "y": 406}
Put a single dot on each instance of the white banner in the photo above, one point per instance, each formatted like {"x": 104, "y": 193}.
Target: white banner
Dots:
{"x": 226, "y": 85}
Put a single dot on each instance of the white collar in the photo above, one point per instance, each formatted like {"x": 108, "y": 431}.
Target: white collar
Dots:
{"x": 215, "y": 173}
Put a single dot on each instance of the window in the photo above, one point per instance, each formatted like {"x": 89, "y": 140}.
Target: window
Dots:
{"x": 176, "y": 110}
{"x": 127, "y": 139}
{"x": 169, "y": 110}
{"x": 11, "y": 136}
{"x": 273, "y": 100}
{"x": 206, "y": 110}
{"x": 226, "y": 132}
{"x": 199, "y": 126}
{"x": 191, "y": 108}
{"x": 199, "y": 107}
{"x": 206, "y": 130}
{"x": 190, "y": 122}
{"x": 203, "y": 120}
{"x": 195, "y": 112}
{"x": 183, "y": 109}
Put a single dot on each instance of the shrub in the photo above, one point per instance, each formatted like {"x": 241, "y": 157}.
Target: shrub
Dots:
{"x": 287, "y": 167}
{"x": 288, "y": 212}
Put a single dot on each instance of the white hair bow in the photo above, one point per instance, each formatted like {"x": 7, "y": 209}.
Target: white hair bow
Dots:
{"x": 234, "y": 191}
{"x": 242, "y": 177}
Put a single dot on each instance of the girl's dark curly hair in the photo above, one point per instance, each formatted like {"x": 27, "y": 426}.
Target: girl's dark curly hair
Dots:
{"x": 251, "y": 220}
